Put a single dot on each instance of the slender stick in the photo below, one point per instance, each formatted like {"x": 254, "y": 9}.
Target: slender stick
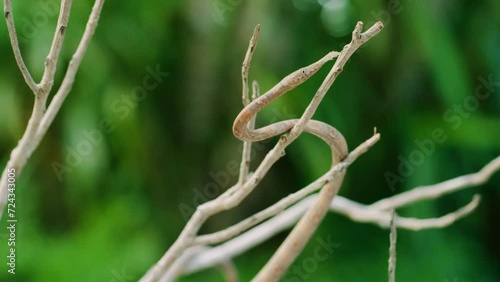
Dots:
{"x": 437, "y": 190}
{"x": 392, "y": 248}
{"x": 247, "y": 145}
{"x": 245, "y": 68}
{"x": 357, "y": 212}
{"x": 366, "y": 214}
{"x": 55, "y": 49}
{"x": 235, "y": 195}
{"x": 7, "y": 7}
{"x": 74, "y": 64}
{"x": 291, "y": 199}
{"x": 283, "y": 221}
{"x": 303, "y": 231}
{"x": 41, "y": 118}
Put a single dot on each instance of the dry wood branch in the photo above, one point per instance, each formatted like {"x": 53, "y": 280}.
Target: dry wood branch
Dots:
{"x": 41, "y": 118}
{"x": 291, "y": 199}
{"x": 74, "y": 64}
{"x": 229, "y": 270}
{"x": 227, "y": 267}
{"x": 283, "y": 221}
{"x": 55, "y": 49}
{"x": 233, "y": 196}
{"x": 392, "y": 248}
{"x": 303, "y": 231}
{"x": 7, "y": 8}
{"x": 355, "y": 211}
{"x": 245, "y": 68}
{"x": 287, "y": 219}
{"x": 440, "y": 189}
{"x": 363, "y": 213}
{"x": 247, "y": 145}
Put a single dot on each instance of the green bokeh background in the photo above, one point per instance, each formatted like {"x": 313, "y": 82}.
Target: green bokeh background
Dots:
{"x": 116, "y": 211}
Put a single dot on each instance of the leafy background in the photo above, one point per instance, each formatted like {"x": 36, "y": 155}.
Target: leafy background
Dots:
{"x": 117, "y": 209}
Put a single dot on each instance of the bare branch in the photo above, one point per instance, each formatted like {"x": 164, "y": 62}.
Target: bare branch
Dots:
{"x": 250, "y": 238}
{"x": 440, "y": 189}
{"x": 247, "y": 145}
{"x": 55, "y": 49}
{"x": 15, "y": 47}
{"x": 177, "y": 268}
{"x": 40, "y": 119}
{"x": 246, "y": 64}
{"x": 74, "y": 64}
{"x": 229, "y": 270}
{"x": 291, "y": 199}
{"x": 392, "y": 248}
{"x": 357, "y": 212}
{"x": 365, "y": 214}
{"x": 233, "y": 196}
{"x": 304, "y": 229}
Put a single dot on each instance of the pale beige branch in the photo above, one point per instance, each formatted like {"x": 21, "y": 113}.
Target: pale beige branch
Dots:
{"x": 178, "y": 268}
{"x": 283, "y": 221}
{"x": 303, "y": 231}
{"x": 234, "y": 195}
{"x": 247, "y": 145}
{"x": 437, "y": 190}
{"x": 11, "y": 27}
{"x": 245, "y": 68}
{"x": 366, "y": 214}
{"x": 356, "y": 211}
{"x": 392, "y": 248}
{"x": 229, "y": 270}
{"x": 41, "y": 118}
{"x": 51, "y": 62}
{"x": 291, "y": 199}
{"x": 74, "y": 64}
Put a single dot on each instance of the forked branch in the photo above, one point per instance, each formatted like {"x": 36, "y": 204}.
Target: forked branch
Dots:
{"x": 42, "y": 117}
{"x": 202, "y": 259}
{"x": 243, "y": 128}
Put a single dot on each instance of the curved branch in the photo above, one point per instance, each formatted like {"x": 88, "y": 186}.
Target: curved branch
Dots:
{"x": 7, "y": 8}
{"x": 437, "y": 190}
{"x": 303, "y": 231}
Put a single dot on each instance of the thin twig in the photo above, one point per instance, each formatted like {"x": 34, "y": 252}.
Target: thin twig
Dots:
{"x": 15, "y": 47}
{"x": 291, "y": 199}
{"x": 355, "y": 211}
{"x": 365, "y": 214}
{"x": 392, "y": 248}
{"x": 74, "y": 64}
{"x": 235, "y": 195}
{"x": 41, "y": 119}
{"x": 177, "y": 268}
{"x": 437, "y": 190}
{"x": 300, "y": 235}
{"x": 246, "y": 64}
{"x": 229, "y": 270}
{"x": 51, "y": 62}
{"x": 283, "y": 221}
{"x": 247, "y": 145}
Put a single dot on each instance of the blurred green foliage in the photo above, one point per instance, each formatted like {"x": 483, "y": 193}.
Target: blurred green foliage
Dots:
{"x": 116, "y": 209}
